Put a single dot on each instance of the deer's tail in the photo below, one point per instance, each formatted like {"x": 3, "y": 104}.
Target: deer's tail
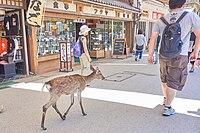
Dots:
{"x": 47, "y": 85}
{"x": 43, "y": 86}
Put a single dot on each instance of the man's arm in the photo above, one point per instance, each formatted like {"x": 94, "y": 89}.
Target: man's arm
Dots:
{"x": 196, "y": 54}
{"x": 152, "y": 41}
{"x": 197, "y": 41}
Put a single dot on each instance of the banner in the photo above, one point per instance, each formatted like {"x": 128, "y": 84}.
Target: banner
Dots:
{"x": 35, "y": 12}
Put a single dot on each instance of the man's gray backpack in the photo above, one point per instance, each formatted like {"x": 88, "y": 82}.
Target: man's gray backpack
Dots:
{"x": 171, "y": 42}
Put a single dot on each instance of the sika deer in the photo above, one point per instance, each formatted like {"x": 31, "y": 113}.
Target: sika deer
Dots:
{"x": 68, "y": 85}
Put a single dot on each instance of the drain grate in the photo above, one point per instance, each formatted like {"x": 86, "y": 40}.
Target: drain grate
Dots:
{"x": 119, "y": 77}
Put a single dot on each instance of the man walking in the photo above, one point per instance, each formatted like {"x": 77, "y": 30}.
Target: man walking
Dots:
{"x": 175, "y": 28}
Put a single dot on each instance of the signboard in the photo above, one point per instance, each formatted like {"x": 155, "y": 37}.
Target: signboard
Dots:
{"x": 80, "y": 20}
{"x": 125, "y": 15}
{"x": 53, "y": 4}
{"x": 63, "y": 51}
{"x": 35, "y": 12}
{"x": 65, "y": 56}
{"x": 119, "y": 46}
{"x": 157, "y": 15}
{"x": 98, "y": 11}
{"x": 145, "y": 13}
{"x": 68, "y": 52}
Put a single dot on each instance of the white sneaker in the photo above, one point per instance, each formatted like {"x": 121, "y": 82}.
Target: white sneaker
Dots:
{"x": 168, "y": 111}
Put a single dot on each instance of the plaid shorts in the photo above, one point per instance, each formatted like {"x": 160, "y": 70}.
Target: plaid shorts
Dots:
{"x": 174, "y": 71}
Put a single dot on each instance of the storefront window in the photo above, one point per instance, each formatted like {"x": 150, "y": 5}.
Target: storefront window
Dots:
{"x": 108, "y": 35}
{"x": 54, "y": 31}
{"x": 101, "y": 35}
{"x": 117, "y": 30}
{"x": 142, "y": 26}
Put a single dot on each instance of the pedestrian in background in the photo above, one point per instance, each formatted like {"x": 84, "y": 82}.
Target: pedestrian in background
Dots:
{"x": 190, "y": 50}
{"x": 85, "y": 59}
{"x": 173, "y": 72}
{"x": 140, "y": 44}
{"x": 156, "y": 50}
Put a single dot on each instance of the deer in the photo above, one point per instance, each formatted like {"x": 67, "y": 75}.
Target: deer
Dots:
{"x": 68, "y": 85}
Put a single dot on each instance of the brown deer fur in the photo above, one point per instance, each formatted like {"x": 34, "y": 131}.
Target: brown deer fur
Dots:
{"x": 68, "y": 85}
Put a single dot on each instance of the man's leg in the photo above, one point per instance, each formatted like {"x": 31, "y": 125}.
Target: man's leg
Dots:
{"x": 136, "y": 55}
{"x": 164, "y": 89}
{"x": 140, "y": 55}
{"x": 171, "y": 93}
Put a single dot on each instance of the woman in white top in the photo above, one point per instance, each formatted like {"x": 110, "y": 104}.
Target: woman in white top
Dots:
{"x": 140, "y": 44}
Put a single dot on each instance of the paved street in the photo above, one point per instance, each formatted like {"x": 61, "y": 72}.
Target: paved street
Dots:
{"x": 129, "y": 101}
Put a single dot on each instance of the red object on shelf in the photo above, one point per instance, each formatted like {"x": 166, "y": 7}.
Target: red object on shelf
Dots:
{"x": 3, "y": 45}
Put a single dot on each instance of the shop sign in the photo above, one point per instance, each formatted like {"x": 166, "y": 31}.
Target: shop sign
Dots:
{"x": 65, "y": 55}
{"x": 35, "y": 12}
{"x": 13, "y": 3}
{"x": 157, "y": 15}
{"x": 125, "y": 15}
{"x": 2, "y": 12}
{"x": 68, "y": 52}
{"x": 145, "y": 13}
{"x": 98, "y": 11}
{"x": 80, "y": 20}
{"x": 61, "y": 5}
{"x": 63, "y": 52}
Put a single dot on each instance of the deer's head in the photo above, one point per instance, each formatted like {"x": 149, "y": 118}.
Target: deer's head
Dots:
{"x": 99, "y": 75}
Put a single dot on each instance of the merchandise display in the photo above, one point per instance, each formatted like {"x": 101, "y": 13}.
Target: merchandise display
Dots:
{"x": 100, "y": 38}
{"x": 11, "y": 45}
{"x": 54, "y": 32}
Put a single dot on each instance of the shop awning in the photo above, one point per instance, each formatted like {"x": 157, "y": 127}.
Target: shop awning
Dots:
{"x": 113, "y": 4}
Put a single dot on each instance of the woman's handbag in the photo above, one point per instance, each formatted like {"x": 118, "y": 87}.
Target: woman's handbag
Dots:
{"x": 139, "y": 47}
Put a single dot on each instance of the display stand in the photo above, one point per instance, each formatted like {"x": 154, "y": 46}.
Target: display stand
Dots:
{"x": 120, "y": 48}
{"x": 65, "y": 57}
{"x": 7, "y": 70}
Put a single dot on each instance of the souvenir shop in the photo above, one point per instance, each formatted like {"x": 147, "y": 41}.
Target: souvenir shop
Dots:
{"x": 61, "y": 23}
{"x": 12, "y": 50}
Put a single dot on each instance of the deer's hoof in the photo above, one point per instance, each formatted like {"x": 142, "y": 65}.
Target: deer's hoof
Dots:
{"x": 44, "y": 128}
{"x": 63, "y": 117}
{"x": 84, "y": 114}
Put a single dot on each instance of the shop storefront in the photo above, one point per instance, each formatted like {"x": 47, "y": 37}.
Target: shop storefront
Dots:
{"x": 13, "y": 48}
{"x": 151, "y": 11}
{"x": 62, "y": 21}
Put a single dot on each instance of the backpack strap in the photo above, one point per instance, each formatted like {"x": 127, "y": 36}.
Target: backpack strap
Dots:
{"x": 164, "y": 20}
{"x": 181, "y": 17}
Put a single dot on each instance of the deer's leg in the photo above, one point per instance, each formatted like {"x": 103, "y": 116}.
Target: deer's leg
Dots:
{"x": 45, "y": 107}
{"x": 72, "y": 102}
{"x": 80, "y": 101}
{"x": 56, "y": 109}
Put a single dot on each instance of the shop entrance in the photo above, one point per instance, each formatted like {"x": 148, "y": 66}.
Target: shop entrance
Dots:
{"x": 11, "y": 44}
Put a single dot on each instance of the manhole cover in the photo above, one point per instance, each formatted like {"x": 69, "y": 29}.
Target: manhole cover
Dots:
{"x": 119, "y": 77}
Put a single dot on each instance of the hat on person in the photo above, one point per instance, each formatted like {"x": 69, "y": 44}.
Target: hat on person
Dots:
{"x": 84, "y": 29}
{"x": 173, "y": 3}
